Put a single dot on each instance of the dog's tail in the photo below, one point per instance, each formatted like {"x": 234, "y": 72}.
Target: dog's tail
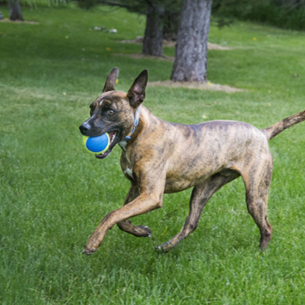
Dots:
{"x": 274, "y": 130}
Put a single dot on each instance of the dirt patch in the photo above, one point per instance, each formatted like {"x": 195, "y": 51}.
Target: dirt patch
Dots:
{"x": 142, "y": 56}
{"x": 167, "y": 43}
{"x": 213, "y": 46}
{"x": 194, "y": 85}
{"x": 18, "y": 21}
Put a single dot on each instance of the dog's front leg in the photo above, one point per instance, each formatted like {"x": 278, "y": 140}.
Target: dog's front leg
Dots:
{"x": 142, "y": 204}
{"x": 126, "y": 225}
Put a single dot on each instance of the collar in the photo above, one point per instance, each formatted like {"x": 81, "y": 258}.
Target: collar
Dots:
{"x": 135, "y": 124}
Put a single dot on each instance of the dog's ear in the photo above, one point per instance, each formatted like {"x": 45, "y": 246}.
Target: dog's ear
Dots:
{"x": 136, "y": 93}
{"x": 111, "y": 79}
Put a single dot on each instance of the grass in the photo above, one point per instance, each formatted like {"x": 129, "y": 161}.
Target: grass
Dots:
{"x": 53, "y": 194}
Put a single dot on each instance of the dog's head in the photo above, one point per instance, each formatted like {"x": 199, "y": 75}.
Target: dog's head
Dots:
{"x": 113, "y": 111}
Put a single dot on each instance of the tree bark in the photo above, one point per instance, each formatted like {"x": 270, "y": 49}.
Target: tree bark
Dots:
{"x": 153, "y": 39}
{"x": 192, "y": 42}
{"x": 15, "y": 10}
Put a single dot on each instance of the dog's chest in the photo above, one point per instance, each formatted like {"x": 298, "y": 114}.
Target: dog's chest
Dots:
{"x": 128, "y": 171}
{"x": 125, "y": 162}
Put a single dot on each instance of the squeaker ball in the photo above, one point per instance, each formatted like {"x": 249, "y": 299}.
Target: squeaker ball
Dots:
{"x": 97, "y": 145}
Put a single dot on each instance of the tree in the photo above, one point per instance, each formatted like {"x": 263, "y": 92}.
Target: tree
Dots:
{"x": 15, "y": 10}
{"x": 153, "y": 38}
{"x": 192, "y": 41}
{"x": 162, "y": 19}
{"x": 161, "y": 22}
{"x": 159, "y": 19}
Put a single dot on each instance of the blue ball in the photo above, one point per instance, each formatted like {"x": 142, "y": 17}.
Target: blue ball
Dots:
{"x": 97, "y": 145}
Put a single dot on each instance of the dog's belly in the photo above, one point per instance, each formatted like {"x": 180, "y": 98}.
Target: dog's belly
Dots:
{"x": 178, "y": 185}
{"x": 188, "y": 176}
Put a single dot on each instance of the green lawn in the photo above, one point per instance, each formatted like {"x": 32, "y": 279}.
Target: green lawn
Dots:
{"x": 53, "y": 194}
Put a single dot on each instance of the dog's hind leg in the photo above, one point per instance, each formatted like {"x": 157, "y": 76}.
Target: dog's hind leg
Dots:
{"x": 257, "y": 181}
{"x": 126, "y": 225}
{"x": 200, "y": 196}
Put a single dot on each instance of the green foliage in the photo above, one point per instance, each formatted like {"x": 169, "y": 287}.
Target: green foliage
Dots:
{"x": 136, "y": 6}
{"x": 40, "y": 3}
{"x": 53, "y": 193}
{"x": 87, "y": 4}
{"x": 279, "y": 13}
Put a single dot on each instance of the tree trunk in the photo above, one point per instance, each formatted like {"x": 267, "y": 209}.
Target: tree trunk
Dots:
{"x": 15, "y": 10}
{"x": 192, "y": 42}
{"x": 153, "y": 39}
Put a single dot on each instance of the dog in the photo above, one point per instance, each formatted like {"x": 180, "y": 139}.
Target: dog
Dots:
{"x": 161, "y": 157}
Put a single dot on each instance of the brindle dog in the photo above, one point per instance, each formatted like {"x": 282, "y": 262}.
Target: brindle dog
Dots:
{"x": 160, "y": 157}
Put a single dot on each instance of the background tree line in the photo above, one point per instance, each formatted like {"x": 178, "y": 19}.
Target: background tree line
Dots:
{"x": 288, "y": 14}
{"x": 188, "y": 21}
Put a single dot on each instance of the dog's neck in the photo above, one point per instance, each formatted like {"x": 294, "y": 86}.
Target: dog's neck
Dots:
{"x": 134, "y": 127}
{"x": 135, "y": 124}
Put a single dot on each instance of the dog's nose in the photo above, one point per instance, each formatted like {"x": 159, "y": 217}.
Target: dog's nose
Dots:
{"x": 84, "y": 128}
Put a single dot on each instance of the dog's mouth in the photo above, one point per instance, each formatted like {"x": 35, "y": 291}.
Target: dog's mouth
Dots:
{"x": 114, "y": 139}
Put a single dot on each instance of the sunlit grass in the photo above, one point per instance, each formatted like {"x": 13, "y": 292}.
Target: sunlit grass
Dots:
{"x": 53, "y": 194}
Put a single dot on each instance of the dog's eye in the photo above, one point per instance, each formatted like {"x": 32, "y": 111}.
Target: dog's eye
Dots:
{"x": 110, "y": 112}
{"x": 91, "y": 109}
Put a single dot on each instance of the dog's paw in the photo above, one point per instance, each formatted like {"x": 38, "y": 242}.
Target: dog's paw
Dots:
{"x": 88, "y": 251}
{"x": 166, "y": 247}
{"x": 161, "y": 249}
{"x": 143, "y": 231}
